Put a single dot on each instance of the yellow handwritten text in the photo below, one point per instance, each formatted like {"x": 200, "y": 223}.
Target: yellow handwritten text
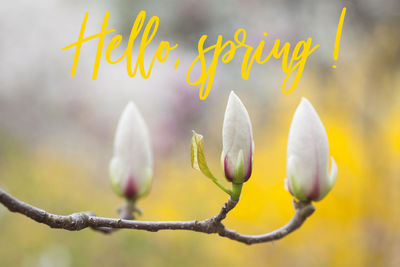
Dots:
{"x": 291, "y": 65}
{"x": 149, "y": 32}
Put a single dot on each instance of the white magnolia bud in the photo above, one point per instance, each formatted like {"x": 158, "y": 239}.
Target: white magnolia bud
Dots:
{"x": 237, "y": 142}
{"x": 131, "y": 167}
{"x": 308, "y": 178}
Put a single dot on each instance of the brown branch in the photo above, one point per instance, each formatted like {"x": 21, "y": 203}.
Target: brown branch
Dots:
{"x": 213, "y": 225}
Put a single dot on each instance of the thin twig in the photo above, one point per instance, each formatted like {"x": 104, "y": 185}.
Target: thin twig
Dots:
{"x": 213, "y": 225}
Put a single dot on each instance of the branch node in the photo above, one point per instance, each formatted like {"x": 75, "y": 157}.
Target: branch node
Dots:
{"x": 77, "y": 221}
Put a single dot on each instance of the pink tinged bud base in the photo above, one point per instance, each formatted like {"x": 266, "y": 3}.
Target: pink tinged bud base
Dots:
{"x": 315, "y": 192}
{"x": 231, "y": 170}
{"x": 130, "y": 189}
{"x": 229, "y": 175}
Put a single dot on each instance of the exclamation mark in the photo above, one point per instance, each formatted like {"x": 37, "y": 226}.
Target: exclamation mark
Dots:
{"x": 338, "y": 34}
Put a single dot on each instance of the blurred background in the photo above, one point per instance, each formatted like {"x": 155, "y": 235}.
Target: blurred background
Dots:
{"x": 56, "y": 132}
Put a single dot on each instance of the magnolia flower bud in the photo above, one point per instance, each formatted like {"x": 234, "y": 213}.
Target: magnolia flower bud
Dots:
{"x": 131, "y": 167}
{"x": 308, "y": 156}
{"x": 237, "y": 142}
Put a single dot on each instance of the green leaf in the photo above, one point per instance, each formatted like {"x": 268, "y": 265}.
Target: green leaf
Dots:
{"x": 197, "y": 155}
{"x": 198, "y": 160}
{"x": 193, "y": 150}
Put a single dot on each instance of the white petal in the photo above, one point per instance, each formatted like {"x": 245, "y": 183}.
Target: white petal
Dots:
{"x": 308, "y": 143}
{"x": 333, "y": 174}
{"x": 286, "y": 184}
{"x": 331, "y": 180}
{"x": 132, "y": 150}
{"x": 290, "y": 173}
{"x": 237, "y": 133}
